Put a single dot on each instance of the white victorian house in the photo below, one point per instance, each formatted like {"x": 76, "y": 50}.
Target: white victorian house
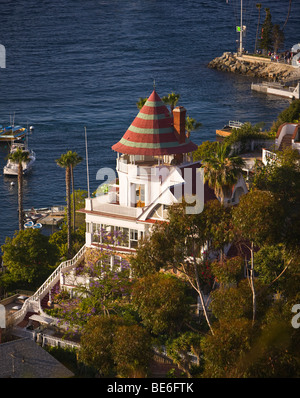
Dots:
{"x": 155, "y": 169}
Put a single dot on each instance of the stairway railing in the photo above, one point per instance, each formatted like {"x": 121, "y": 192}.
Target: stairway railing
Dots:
{"x": 33, "y": 301}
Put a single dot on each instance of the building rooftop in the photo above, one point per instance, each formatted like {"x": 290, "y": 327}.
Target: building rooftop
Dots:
{"x": 24, "y": 358}
{"x": 152, "y": 132}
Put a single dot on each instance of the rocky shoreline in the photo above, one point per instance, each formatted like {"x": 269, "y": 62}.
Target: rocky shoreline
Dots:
{"x": 255, "y": 67}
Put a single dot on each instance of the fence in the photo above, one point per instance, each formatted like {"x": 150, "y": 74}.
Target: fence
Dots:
{"x": 45, "y": 339}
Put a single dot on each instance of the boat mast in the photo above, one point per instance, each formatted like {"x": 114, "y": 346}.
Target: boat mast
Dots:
{"x": 87, "y": 164}
{"x": 241, "y": 30}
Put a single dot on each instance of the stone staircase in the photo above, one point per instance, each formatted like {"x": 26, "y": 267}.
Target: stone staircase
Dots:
{"x": 285, "y": 142}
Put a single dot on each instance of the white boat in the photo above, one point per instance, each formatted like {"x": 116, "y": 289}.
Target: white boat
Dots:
{"x": 28, "y": 224}
{"x": 38, "y": 225}
{"x": 227, "y": 129}
{"x": 11, "y": 168}
{"x": 31, "y": 224}
{"x": 277, "y": 89}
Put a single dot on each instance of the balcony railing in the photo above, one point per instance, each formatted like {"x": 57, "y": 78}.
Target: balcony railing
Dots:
{"x": 116, "y": 209}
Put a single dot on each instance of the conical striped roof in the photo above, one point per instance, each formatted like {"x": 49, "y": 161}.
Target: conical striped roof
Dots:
{"x": 152, "y": 133}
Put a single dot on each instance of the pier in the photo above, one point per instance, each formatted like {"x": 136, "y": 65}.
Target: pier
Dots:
{"x": 52, "y": 216}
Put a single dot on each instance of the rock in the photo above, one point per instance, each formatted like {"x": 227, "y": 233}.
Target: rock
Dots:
{"x": 251, "y": 67}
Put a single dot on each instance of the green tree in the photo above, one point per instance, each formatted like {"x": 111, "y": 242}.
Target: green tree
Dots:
{"x": 222, "y": 171}
{"x": 178, "y": 244}
{"x": 141, "y": 102}
{"x": 171, "y": 99}
{"x": 20, "y": 157}
{"x": 231, "y": 340}
{"x": 275, "y": 350}
{"x": 266, "y": 41}
{"x": 104, "y": 295}
{"x": 282, "y": 179}
{"x": 75, "y": 159}
{"x": 161, "y": 302}
{"x": 278, "y": 38}
{"x": 241, "y": 139}
{"x": 191, "y": 125}
{"x": 132, "y": 351}
{"x": 96, "y": 344}
{"x": 288, "y": 14}
{"x": 65, "y": 162}
{"x": 235, "y": 301}
{"x": 289, "y": 115}
{"x": 258, "y": 6}
{"x": 115, "y": 347}
{"x": 180, "y": 348}
{"x": 228, "y": 271}
{"x": 269, "y": 263}
{"x": 257, "y": 220}
{"x": 206, "y": 150}
{"x": 28, "y": 258}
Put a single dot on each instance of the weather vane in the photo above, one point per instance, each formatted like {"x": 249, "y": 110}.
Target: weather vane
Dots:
{"x": 154, "y": 84}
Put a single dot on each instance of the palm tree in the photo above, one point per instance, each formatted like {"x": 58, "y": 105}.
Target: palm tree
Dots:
{"x": 222, "y": 170}
{"x": 75, "y": 159}
{"x": 171, "y": 99}
{"x": 288, "y": 14}
{"x": 20, "y": 157}
{"x": 258, "y": 6}
{"x": 141, "y": 102}
{"x": 191, "y": 125}
{"x": 65, "y": 162}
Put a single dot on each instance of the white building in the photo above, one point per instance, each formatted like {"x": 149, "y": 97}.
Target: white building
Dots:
{"x": 155, "y": 169}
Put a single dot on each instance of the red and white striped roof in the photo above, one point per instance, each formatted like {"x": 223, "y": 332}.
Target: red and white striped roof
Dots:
{"x": 152, "y": 133}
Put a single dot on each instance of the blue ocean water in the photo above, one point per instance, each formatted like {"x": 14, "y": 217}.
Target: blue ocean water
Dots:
{"x": 72, "y": 63}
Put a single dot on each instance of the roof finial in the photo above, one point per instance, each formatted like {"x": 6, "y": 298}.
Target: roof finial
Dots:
{"x": 154, "y": 84}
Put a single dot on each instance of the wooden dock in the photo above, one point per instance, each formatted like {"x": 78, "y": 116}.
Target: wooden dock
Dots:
{"x": 52, "y": 219}
{"x": 46, "y": 216}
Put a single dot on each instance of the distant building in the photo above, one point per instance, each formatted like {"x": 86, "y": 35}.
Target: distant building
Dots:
{"x": 24, "y": 358}
{"x": 288, "y": 136}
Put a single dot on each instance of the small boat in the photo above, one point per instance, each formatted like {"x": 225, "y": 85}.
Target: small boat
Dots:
{"x": 12, "y": 133}
{"x": 31, "y": 224}
{"x": 28, "y": 224}
{"x": 227, "y": 129}
{"x": 37, "y": 226}
{"x": 11, "y": 168}
{"x": 278, "y": 89}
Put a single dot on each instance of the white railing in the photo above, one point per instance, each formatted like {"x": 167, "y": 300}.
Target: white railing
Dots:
{"x": 268, "y": 156}
{"x": 33, "y": 302}
{"x": 58, "y": 342}
{"x": 235, "y": 124}
{"x": 117, "y": 209}
{"x": 285, "y": 129}
{"x": 45, "y": 339}
{"x": 122, "y": 166}
{"x": 53, "y": 278}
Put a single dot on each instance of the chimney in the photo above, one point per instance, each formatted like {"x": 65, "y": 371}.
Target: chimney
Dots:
{"x": 179, "y": 123}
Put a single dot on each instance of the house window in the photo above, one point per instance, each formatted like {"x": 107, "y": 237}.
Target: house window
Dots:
{"x": 134, "y": 236}
{"x": 88, "y": 227}
{"x": 127, "y": 237}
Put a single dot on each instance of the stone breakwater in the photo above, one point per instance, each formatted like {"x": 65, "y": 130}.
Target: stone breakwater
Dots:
{"x": 255, "y": 67}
